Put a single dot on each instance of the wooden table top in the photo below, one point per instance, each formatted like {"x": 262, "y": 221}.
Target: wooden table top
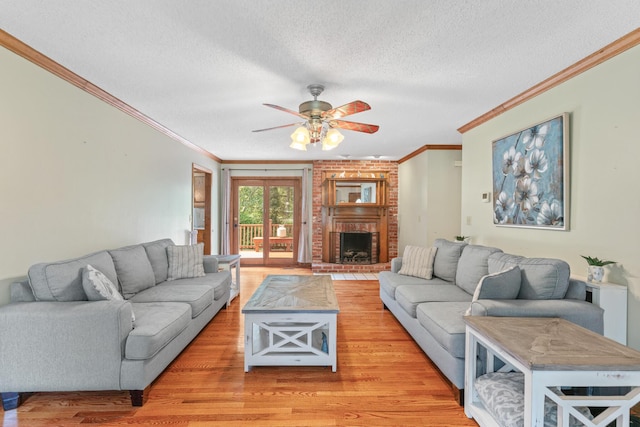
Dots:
{"x": 293, "y": 294}
{"x": 553, "y": 344}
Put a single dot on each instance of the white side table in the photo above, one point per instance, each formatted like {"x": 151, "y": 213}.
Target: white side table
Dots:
{"x": 612, "y": 298}
{"x": 229, "y": 263}
{"x": 551, "y": 353}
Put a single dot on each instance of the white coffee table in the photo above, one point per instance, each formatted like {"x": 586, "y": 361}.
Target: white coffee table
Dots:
{"x": 291, "y": 320}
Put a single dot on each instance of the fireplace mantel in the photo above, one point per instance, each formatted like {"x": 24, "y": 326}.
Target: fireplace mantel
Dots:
{"x": 343, "y": 215}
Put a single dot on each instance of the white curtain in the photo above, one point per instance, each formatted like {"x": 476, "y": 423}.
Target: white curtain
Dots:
{"x": 304, "y": 252}
{"x": 226, "y": 205}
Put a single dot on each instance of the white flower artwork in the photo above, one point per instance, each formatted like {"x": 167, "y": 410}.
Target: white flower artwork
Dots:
{"x": 531, "y": 176}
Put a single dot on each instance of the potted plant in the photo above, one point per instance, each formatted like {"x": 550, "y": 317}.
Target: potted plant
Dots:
{"x": 461, "y": 238}
{"x": 595, "y": 269}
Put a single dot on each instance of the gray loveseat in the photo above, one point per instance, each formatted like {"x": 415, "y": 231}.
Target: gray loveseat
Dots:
{"x": 53, "y": 339}
{"x": 432, "y": 310}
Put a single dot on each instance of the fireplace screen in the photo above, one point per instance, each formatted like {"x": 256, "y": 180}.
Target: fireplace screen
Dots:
{"x": 357, "y": 248}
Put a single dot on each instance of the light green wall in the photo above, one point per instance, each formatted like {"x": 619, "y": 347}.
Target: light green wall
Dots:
{"x": 429, "y": 198}
{"x": 78, "y": 175}
{"x": 605, "y": 148}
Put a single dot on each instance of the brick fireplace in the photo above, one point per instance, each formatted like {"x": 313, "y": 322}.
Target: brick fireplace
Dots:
{"x": 380, "y": 220}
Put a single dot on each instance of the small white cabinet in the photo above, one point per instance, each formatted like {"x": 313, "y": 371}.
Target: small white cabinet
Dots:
{"x": 612, "y": 298}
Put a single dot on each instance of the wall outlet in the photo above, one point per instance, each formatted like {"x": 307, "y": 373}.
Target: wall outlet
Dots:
{"x": 486, "y": 197}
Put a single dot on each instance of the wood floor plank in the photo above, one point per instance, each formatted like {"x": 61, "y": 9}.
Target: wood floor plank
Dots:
{"x": 383, "y": 379}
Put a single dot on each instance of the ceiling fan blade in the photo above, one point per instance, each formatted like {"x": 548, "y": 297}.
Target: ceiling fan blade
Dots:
{"x": 286, "y": 110}
{"x": 359, "y": 127}
{"x": 278, "y": 127}
{"x": 347, "y": 109}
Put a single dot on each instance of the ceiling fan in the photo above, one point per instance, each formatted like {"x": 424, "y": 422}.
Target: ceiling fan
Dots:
{"x": 322, "y": 121}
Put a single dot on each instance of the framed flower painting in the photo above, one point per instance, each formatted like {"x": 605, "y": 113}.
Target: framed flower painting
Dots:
{"x": 531, "y": 176}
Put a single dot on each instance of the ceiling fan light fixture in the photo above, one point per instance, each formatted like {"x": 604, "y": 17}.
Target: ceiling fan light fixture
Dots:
{"x": 300, "y": 139}
{"x": 332, "y": 139}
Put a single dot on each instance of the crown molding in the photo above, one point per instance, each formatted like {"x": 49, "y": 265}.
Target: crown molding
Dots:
{"x": 27, "y": 52}
{"x": 622, "y": 44}
{"x": 429, "y": 147}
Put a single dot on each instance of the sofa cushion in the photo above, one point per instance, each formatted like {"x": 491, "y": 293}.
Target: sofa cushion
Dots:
{"x": 157, "y": 324}
{"x": 134, "y": 269}
{"x": 444, "y": 322}
{"x": 409, "y": 296}
{"x": 220, "y": 282}
{"x": 542, "y": 278}
{"x": 157, "y": 254}
{"x": 62, "y": 280}
{"x": 389, "y": 282}
{"x": 446, "y": 262}
{"x": 418, "y": 261}
{"x": 472, "y": 265}
{"x": 185, "y": 261}
{"x": 199, "y": 297}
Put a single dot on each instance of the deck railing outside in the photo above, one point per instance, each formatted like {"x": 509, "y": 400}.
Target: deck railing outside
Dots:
{"x": 249, "y": 231}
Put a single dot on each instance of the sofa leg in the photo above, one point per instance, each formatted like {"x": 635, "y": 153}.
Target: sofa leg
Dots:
{"x": 11, "y": 400}
{"x": 384, "y": 306}
{"x": 137, "y": 397}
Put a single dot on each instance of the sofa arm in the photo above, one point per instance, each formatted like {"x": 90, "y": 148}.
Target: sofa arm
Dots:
{"x": 582, "y": 313}
{"x": 210, "y": 264}
{"x": 396, "y": 264}
{"x": 59, "y": 346}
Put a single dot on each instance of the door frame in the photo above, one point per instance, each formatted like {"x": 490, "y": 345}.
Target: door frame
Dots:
{"x": 266, "y": 182}
{"x": 204, "y": 201}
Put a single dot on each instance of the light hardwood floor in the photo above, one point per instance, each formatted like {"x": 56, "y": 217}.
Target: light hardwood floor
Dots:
{"x": 383, "y": 379}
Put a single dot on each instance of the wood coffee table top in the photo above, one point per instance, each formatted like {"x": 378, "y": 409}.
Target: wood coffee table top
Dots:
{"x": 293, "y": 294}
{"x": 554, "y": 344}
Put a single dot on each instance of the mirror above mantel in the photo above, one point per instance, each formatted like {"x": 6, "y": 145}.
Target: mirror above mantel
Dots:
{"x": 349, "y": 188}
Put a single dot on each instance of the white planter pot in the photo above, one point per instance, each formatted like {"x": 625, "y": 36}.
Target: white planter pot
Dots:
{"x": 595, "y": 273}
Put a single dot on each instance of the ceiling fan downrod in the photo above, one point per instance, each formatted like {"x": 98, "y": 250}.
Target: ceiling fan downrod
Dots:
{"x": 314, "y": 108}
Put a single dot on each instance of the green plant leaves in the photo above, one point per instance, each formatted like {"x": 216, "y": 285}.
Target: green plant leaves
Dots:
{"x": 597, "y": 261}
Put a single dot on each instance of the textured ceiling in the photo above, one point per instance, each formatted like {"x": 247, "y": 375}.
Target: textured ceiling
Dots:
{"x": 203, "y": 68}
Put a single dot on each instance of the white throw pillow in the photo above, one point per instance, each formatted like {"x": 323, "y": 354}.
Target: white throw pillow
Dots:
{"x": 185, "y": 261}
{"x": 418, "y": 262}
{"x": 98, "y": 287}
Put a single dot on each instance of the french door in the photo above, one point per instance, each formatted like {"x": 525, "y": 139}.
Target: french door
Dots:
{"x": 265, "y": 220}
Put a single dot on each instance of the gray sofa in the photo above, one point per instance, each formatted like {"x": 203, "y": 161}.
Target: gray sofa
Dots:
{"x": 432, "y": 310}
{"x": 53, "y": 339}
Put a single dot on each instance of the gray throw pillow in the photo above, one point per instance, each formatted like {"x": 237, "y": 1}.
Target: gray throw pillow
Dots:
{"x": 134, "y": 270}
{"x": 503, "y": 285}
{"x": 185, "y": 261}
{"x": 418, "y": 262}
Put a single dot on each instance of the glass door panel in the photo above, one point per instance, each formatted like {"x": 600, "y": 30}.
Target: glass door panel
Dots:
{"x": 265, "y": 216}
{"x": 249, "y": 219}
{"x": 281, "y": 203}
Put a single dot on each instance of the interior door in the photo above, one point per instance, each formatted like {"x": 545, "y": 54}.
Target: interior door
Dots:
{"x": 266, "y": 217}
{"x": 201, "y": 214}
